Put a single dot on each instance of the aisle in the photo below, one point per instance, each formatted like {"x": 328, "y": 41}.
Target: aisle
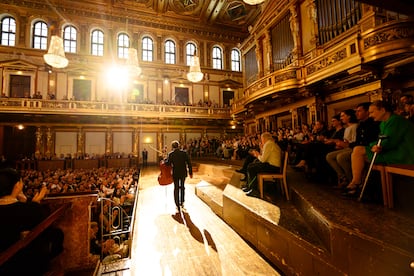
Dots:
{"x": 193, "y": 242}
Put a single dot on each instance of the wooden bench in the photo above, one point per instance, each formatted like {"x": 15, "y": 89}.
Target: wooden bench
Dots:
{"x": 407, "y": 170}
{"x": 33, "y": 234}
{"x": 261, "y": 177}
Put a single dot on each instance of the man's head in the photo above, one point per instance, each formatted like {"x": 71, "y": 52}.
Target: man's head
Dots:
{"x": 362, "y": 111}
{"x": 8, "y": 179}
{"x": 266, "y": 136}
{"x": 175, "y": 144}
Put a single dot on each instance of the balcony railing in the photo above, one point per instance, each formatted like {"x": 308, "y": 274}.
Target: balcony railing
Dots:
{"x": 39, "y": 106}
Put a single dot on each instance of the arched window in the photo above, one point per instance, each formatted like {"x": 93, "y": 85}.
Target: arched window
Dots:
{"x": 235, "y": 60}
{"x": 70, "y": 39}
{"x": 40, "y": 35}
{"x": 97, "y": 43}
{"x": 169, "y": 52}
{"x": 217, "y": 58}
{"x": 8, "y": 31}
{"x": 147, "y": 49}
{"x": 190, "y": 51}
{"x": 123, "y": 45}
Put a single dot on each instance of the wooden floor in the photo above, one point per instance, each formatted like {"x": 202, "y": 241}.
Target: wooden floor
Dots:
{"x": 192, "y": 242}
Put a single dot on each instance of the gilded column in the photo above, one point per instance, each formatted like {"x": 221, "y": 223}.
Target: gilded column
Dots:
{"x": 313, "y": 16}
{"x": 80, "y": 142}
{"x": 259, "y": 58}
{"x": 108, "y": 142}
{"x": 135, "y": 142}
{"x": 183, "y": 137}
{"x": 49, "y": 142}
{"x": 39, "y": 143}
{"x": 294, "y": 28}
{"x": 294, "y": 113}
{"x": 268, "y": 52}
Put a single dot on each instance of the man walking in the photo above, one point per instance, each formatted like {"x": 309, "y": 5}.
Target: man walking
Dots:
{"x": 180, "y": 161}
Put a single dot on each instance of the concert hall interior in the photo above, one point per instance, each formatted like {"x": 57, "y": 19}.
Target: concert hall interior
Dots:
{"x": 93, "y": 93}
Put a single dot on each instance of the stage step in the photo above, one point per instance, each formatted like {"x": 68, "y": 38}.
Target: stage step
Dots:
{"x": 315, "y": 233}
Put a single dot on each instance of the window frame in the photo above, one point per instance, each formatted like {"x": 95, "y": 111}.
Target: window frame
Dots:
{"x": 170, "y": 52}
{"x": 190, "y": 52}
{"x": 122, "y": 44}
{"x": 99, "y": 44}
{"x": 70, "y": 43}
{"x": 217, "y": 60}
{"x": 235, "y": 63}
{"x": 8, "y": 33}
{"x": 40, "y": 34}
{"x": 147, "y": 49}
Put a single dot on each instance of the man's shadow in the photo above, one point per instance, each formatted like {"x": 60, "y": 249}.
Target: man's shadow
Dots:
{"x": 183, "y": 217}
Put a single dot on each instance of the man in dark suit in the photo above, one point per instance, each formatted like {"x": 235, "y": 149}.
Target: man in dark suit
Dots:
{"x": 180, "y": 161}
{"x": 144, "y": 157}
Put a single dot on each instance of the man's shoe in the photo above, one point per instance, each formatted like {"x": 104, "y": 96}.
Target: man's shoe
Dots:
{"x": 243, "y": 179}
{"x": 253, "y": 193}
{"x": 241, "y": 171}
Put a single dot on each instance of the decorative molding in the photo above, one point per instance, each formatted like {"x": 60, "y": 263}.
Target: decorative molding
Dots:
{"x": 326, "y": 61}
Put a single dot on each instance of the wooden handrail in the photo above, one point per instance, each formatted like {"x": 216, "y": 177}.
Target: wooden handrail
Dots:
{"x": 34, "y": 233}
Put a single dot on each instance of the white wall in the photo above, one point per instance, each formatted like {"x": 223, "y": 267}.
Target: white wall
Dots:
{"x": 95, "y": 142}
{"x": 65, "y": 143}
{"x": 122, "y": 142}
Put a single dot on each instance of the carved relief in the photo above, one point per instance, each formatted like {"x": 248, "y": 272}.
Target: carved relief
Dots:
{"x": 387, "y": 36}
{"x": 327, "y": 61}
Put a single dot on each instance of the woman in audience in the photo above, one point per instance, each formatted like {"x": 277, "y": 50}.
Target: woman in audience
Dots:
{"x": 20, "y": 216}
{"x": 396, "y": 148}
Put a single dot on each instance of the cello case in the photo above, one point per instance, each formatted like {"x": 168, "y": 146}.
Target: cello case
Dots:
{"x": 165, "y": 177}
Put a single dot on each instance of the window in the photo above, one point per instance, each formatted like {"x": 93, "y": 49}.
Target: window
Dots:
{"x": 147, "y": 49}
{"x": 97, "y": 43}
{"x": 123, "y": 45}
{"x": 190, "y": 50}
{"x": 69, "y": 39}
{"x": 217, "y": 58}
{"x": 40, "y": 35}
{"x": 235, "y": 60}
{"x": 169, "y": 52}
{"x": 8, "y": 31}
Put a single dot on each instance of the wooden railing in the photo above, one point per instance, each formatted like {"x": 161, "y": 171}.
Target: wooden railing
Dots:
{"x": 40, "y": 106}
{"x": 33, "y": 234}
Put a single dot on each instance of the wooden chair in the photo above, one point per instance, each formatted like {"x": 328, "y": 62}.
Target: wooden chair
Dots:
{"x": 261, "y": 177}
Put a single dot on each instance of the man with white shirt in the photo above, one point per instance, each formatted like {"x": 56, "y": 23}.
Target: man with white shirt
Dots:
{"x": 268, "y": 160}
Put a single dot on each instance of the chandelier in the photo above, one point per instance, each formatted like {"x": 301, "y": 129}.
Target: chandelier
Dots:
{"x": 55, "y": 56}
{"x": 253, "y": 2}
{"x": 132, "y": 62}
{"x": 195, "y": 74}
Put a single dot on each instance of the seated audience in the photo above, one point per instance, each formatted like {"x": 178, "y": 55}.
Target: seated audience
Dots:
{"x": 397, "y": 148}
{"x": 20, "y": 216}
{"x": 338, "y": 159}
{"x": 269, "y": 160}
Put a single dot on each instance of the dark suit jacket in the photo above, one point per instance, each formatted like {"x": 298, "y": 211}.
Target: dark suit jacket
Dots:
{"x": 179, "y": 161}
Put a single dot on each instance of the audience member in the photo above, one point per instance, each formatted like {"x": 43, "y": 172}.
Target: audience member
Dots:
{"x": 269, "y": 160}
{"x": 19, "y": 216}
{"x": 338, "y": 159}
{"x": 397, "y": 148}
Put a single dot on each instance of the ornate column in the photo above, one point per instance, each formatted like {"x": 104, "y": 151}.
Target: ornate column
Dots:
{"x": 294, "y": 28}
{"x": 135, "y": 142}
{"x": 159, "y": 140}
{"x": 259, "y": 58}
{"x": 313, "y": 16}
{"x": 49, "y": 142}
{"x": 81, "y": 139}
{"x": 108, "y": 142}
{"x": 183, "y": 138}
{"x": 268, "y": 52}
{"x": 39, "y": 142}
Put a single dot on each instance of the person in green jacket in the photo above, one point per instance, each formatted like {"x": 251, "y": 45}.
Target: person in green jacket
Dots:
{"x": 396, "y": 148}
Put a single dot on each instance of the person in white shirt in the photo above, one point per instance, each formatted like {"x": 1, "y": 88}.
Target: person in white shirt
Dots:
{"x": 268, "y": 160}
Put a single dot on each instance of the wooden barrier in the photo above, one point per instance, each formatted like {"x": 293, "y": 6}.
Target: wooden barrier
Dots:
{"x": 52, "y": 165}
{"x": 407, "y": 170}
